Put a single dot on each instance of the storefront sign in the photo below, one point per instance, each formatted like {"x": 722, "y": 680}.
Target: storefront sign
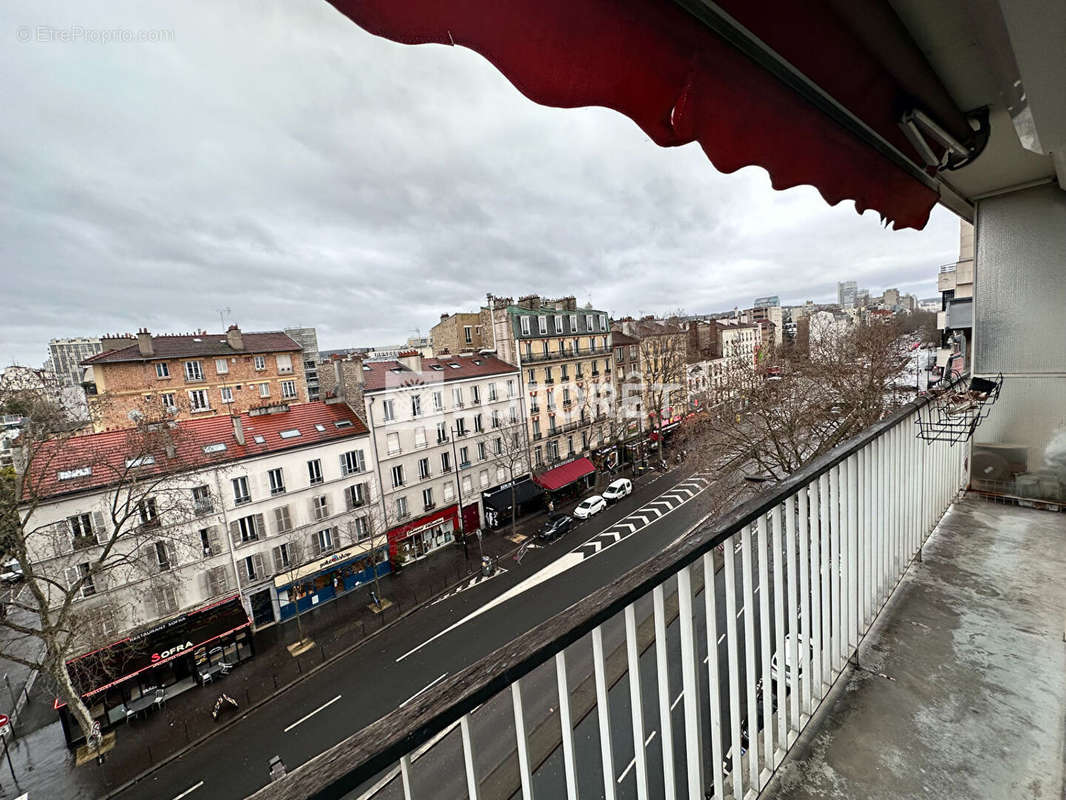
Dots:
{"x": 173, "y": 651}
{"x": 347, "y": 554}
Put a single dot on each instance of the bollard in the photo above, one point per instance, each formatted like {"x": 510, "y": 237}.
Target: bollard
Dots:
{"x": 186, "y": 724}
{"x": 322, "y": 654}
{"x": 275, "y": 681}
{"x": 298, "y": 668}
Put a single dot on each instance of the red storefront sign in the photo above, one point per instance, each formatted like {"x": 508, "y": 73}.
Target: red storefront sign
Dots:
{"x": 401, "y": 532}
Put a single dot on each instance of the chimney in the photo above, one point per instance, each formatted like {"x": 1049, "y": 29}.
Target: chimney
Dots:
{"x": 443, "y": 317}
{"x": 412, "y": 359}
{"x": 238, "y": 427}
{"x": 234, "y": 338}
{"x": 144, "y": 342}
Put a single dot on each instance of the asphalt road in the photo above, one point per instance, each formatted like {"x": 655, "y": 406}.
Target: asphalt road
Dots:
{"x": 414, "y": 655}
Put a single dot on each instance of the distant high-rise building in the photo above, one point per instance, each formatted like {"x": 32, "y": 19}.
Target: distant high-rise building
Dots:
{"x": 891, "y": 298}
{"x": 846, "y": 292}
{"x": 307, "y": 338}
{"x": 767, "y": 302}
{"x": 66, "y": 356}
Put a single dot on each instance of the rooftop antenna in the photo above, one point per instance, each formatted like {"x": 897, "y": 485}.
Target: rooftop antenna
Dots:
{"x": 222, "y": 318}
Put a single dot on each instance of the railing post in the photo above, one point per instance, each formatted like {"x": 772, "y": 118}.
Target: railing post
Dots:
{"x": 853, "y": 553}
{"x": 826, "y": 580}
{"x": 837, "y": 610}
{"x": 791, "y": 579}
{"x": 405, "y": 777}
{"x": 521, "y": 741}
{"x": 750, "y": 648}
{"x": 808, "y": 592}
{"x": 468, "y": 757}
{"x": 566, "y": 724}
{"x": 729, "y": 569}
{"x": 690, "y": 684}
{"x": 867, "y": 536}
{"x": 635, "y": 701}
{"x": 764, "y": 551}
{"x": 781, "y": 587}
{"x": 603, "y": 712}
{"x": 662, "y": 673}
{"x": 714, "y": 694}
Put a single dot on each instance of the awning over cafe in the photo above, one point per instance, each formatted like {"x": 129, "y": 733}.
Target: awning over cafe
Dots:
{"x": 182, "y": 635}
{"x": 325, "y": 562}
{"x": 566, "y": 474}
{"x": 499, "y": 499}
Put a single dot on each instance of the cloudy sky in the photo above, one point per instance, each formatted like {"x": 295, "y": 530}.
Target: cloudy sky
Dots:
{"x": 274, "y": 159}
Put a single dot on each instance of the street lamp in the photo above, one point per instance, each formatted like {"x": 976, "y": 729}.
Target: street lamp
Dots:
{"x": 459, "y": 492}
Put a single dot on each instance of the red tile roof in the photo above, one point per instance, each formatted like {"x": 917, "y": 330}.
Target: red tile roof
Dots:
{"x": 205, "y": 345}
{"x": 106, "y": 454}
{"x": 380, "y": 375}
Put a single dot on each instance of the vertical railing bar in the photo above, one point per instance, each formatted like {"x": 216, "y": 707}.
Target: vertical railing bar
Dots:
{"x": 750, "y": 648}
{"x": 566, "y": 725}
{"x": 780, "y": 588}
{"x": 521, "y": 741}
{"x": 736, "y": 769}
{"x": 853, "y": 553}
{"x": 690, "y": 684}
{"x": 792, "y": 580}
{"x": 870, "y": 589}
{"x": 825, "y": 577}
{"x": 806, "y": 592}
{"x": 834, "y": 572}
{"x": 468, "y": 757}
{"x": 714, "y": 692}
{"x": 603, "y": 713}
{"x": 763, "y": 551}
{"x": 662, "y": 673}
{"x": 405, "y": 777}
{"x": 636, "y": 704}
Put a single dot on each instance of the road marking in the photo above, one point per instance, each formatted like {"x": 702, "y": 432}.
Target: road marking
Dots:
{"x": 676, "y": 700}
{"x": 424, "y": 688}
{"x": 189, "y": 791}
{"x": 308, "y": 716}
{"x": 720, "y": 638}
{"x": 650, "y": 737}
{"x": 633, "y": 761}
{"x": 739, "y": 613}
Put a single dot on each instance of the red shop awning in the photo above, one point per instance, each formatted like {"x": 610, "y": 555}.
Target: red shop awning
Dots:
{"x": 681, "y": 82}
{"x": 566, "y": 474}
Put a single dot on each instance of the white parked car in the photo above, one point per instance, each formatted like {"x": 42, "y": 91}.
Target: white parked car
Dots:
{"x": 589, "y": 506}
{"x": 775, "y": 660}
{"x": 617, "y": 490}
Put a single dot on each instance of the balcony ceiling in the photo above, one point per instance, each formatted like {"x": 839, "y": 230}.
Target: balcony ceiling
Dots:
{"x": 979, "y": 50}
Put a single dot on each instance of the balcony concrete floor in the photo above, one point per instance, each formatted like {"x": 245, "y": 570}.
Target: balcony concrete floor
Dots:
{"x": 972, "y": 642}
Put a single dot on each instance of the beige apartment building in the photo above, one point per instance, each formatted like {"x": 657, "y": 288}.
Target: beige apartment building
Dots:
{"x": 192, "y": 376}
{"x": 459, "y": 333}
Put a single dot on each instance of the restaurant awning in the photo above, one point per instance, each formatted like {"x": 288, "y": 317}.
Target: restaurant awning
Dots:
{"x": 816, "y": 93}
{"x": 566, "y": 474}
{"x": 499, "y": 499}
{"x": 181, "y": 635}
{"x": 325, "y": 562}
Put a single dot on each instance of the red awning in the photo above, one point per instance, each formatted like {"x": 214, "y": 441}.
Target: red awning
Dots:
{"x": 566, "y": 474}
{"x": 681, "y": 82}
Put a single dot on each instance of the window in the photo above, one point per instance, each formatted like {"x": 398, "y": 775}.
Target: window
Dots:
{"x": 475, "y": 394}
{"x": 536, "y": 428}
{"x": 427, "y": 499}
{"x": 460, "y": 426}
{"x": 388, "y": 408}
{"x": 564, "y": 373}
{"x": 324, "y": 540}
{"x": 81, "y": 530}
{"x": 148, "y": 512}
{"x": 493, "y": 395}
{"x": 260, "y": 362}
{"x": 619, "y": 354}
{"x": 532, "y": 377}
{"x": 201, "y": 500}
{"x": 227, "y": 394}
{"x": 284, "y": 361}
{"x": 162, "y": 370}
{"x": 468, "y": 485}
{"x": 495, "y": 418}
{"x": 361, "y": 529}
{"x": 510, "y": 387}
{"x": 416, "y": 405}
{"x": 264, "y": 390}
{"x": 483, "y": 478}
{"x": 438, "y": 401}
{"x": 245, "y": 529}
{"x": 241, "y": 495}
{"x": 314, "y": 471}
{"x": 277, "y": 481}
{"x": 542, "y": 325}
{"x": 464, "y": 457}
{"x": 163, "y": 556}
{"x": 632, "y": 352}
{"x": 282, "y": 519}
{"x": 566, "y": 395}
{"x": 588, "y": 322}
{"x": 207, "y": 543}
{"x": 355, "y": 495}
{"x": 478, "y": 425}
{"x": 442, "y": 432}
{"x": 168, "y": 401}
{"x": 320, "y": 506}
{"x": 352, "y": 462}
{"x": 449, "y": 492}
{"x": 288, "y": 390}
{"x": 397, "y": 475}
{"x": 573, "y": 324}
{"x": 445, "y": 461}
{"x": 513, "y": 416}
{"x": 468, "y": 334}
{"x": 420, "y": 437}
{"x": 194, "y": 371}
{"x": 198, "y": 400}
{"x": 401, "y": 507}
{"x": 558, "y": 323}
{"x": 423, "y": 468}
{"x": 283, "y": 557}
{"x": 538, "y": 456}
{"x": 481, "y": 451}
{"x": 392, "y": 443}
{"x": 80, "y": 572}
{"x": 221, "y": 366}
{"x": 525, "y": 326}
{"x": 457, "y": 396}
{"x": 497, "y": 445}
{"x": 603, "y": 323}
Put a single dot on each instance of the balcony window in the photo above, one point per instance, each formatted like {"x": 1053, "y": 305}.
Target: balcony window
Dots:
{"x": 241, "y": 495}
{"x": 260, "y": 363}
{"x": 198, "y": 400}
{"x": 276, "y": 477}
{"x": 194, "y": 371}
{"x": 288, "y": 390}
{"x": 201, "y": 500}
{"x": 314, "y": 472}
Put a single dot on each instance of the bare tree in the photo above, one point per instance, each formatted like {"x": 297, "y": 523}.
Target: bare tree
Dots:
{"x": 508, "y": 448}
{"x": 73, "y": 568}
{"x": 663, "y": 357}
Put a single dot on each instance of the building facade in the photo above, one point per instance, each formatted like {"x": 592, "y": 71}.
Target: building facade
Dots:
{"x": 564, "y": 353}
{"x": 846, "y": 293}
{"x": 65, "y": 357}
{"x": 662, "y": 347}
{"x": 194, "y": 376}
{"x": 307, "y": 338}
{"x": 955, "y": 317}
{"x": 444, "y": 431}
{"x": 253, "y": 517}
{"x": 459, "y": 333}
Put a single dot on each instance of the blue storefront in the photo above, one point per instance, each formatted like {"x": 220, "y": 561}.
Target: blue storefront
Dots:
{"x": 325, "y": 578}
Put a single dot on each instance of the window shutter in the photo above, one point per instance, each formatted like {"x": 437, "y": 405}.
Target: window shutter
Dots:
{"x": 344, "y": 465}
{"x": 242, "y": 573}
{"x": 73, "y": 574}
{"x": 278, "y": 564}
{"x": 314, "y": 509}
{"x": 223, "y": 579}
{"x": 336, "y": 537}
{"x": 98, "y": 527}
{"x": 172, "y": 555}
{"x": 260, "y": 566}
{"x": 260, "y": 526}
{"x": 214, "y": 540}
{"x": 348, "y": 498}
{"x": 313, "y": 547}
{"x": 235, "y": 533}
{"x": 64, "y": 538}
{"x": 151, "y": 559}
{"x": 207, "y": 584}
{"x": 362, "y": 459}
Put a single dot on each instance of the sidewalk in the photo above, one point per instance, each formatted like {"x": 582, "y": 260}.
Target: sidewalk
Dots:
{"x": 335, "y": 627}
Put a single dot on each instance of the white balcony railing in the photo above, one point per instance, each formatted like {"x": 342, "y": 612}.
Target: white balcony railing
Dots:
{"x": 800, "y": 573}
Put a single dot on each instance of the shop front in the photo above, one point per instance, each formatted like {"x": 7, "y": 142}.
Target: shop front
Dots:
{"x": 568, "y": 478}
{"x": 169, "y": 658}
{"x": 420, "y": 537}
{"x": 497, "y": 501}
{"x": 328, "y": 577}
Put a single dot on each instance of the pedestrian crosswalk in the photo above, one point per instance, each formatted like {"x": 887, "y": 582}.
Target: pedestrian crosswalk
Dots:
{"x": 469, "y": 583}
{"x": 644, "y": 516}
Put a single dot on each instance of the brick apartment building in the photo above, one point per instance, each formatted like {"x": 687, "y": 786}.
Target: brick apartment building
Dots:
{"x": 192, "y": 376}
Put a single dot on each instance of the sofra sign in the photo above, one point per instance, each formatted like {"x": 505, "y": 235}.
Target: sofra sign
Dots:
{"x": 173, "y": 651}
